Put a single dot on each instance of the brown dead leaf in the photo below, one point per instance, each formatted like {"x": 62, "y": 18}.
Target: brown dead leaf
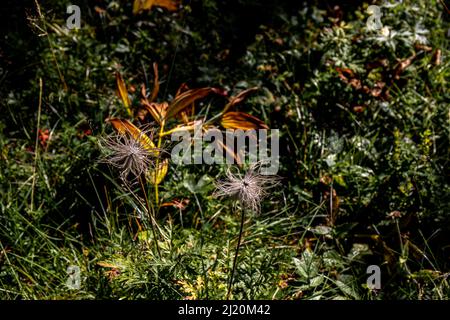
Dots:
{"x": 402, "y": 65}
{"x": 423, "y": 47}
{"x": 437, "y": 57}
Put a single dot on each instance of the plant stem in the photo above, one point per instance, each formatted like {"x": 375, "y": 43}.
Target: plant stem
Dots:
{"x": 230, "y": 284}
{"x": 161, "y": 130}
{"x": 151, "y": 215}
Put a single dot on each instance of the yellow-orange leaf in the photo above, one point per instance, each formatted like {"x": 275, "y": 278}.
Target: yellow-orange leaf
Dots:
{"x": 118, "y": 124}
{"x": 170, "y": 5}
{"x": 241, "y": 120}
{"x": 157, "y": 110}
{"x": 124, "y": 126}
{"x": 190, "y": 126}
{"x": 187, "y": 98}
{"x": 140, "y": 5}
{"x": 137, "y": 6}
{"x": 184, "y": 116}
{"x": 123, "y": 93}
{"x": 156, "y": 175}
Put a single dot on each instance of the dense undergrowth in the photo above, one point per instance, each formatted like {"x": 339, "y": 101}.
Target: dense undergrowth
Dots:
{"x": 364, "y": 151}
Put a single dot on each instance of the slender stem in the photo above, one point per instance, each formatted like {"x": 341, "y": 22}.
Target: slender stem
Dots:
{"x": 230, "y": 284}
{"x": 161, "y": 130}
{"x": 156, "y": 186}
{"x": 151, "y": 215}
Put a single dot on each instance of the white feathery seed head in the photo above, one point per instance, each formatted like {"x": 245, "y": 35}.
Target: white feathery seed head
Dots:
{"x": 128, "y": 155}
{"x": 249, "y": 188}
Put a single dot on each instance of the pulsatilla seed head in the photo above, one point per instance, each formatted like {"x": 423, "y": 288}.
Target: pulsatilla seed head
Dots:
{"x": 249, "y": 188}
{"x": 128, "y": 155}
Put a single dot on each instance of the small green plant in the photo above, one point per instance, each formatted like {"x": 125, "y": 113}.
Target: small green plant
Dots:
{"x": 249, "y": 189}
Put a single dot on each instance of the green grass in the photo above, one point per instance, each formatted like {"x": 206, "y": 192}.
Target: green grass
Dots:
{"x": 358, "y": 144}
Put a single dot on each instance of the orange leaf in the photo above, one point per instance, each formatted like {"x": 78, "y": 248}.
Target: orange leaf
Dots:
{"x": 137, "y": 4}
{"x": 125, "y": 126}
{"x": 241, "y": 120}
{"x": 118, "y": 124}
{"x": 123, "y": 93}
{"x": 187, "y": 98}
{"x": 140, "y": 5}
{"x": 190, "y": 126}
{"x": 180, "y": 204}
{"x": 170, "y": 5}
{"x": 157, "y": 110}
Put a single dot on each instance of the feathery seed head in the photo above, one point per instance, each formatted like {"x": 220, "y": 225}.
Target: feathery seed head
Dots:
{"x": 128, "y": 155}
{"x": 249, "y": 188}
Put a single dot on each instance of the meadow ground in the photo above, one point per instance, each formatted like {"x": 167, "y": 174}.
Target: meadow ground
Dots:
{"x": 364, "y": 121}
